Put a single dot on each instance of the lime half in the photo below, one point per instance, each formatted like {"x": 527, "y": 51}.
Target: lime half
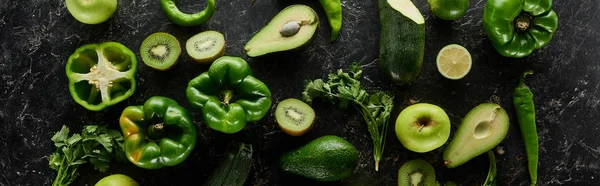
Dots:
{"x": 454, "y": 61}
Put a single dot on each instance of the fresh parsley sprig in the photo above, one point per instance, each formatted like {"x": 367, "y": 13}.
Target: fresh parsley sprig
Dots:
{"x": 95, "y": 144}
{"x": 345, "y": 88}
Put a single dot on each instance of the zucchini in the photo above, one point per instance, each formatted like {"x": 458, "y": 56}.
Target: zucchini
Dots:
{"x": 402, "y": 40}
{"x": 234, "y": 167}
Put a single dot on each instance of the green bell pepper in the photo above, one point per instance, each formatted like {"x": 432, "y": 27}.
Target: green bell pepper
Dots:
{"x": 101, "y": 75}
{"x": 183, "y": 19}
{"x": 228, "y": 95}
{"x": 517, "y": 27}
{"x": 157, "y": 134}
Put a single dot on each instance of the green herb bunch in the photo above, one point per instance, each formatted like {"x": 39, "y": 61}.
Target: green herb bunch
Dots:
{"x": 345, "y": 88}
{"x": 96, "y": 144}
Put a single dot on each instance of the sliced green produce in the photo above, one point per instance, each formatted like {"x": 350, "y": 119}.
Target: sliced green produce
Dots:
{"x": 402, "y": 41}
{"x": 327, "y": 158}
{"x": 517, "y": 27}
{"x": 333, "y": 10}
{"x": 117, "y": 180}
{"x": 294, "y": 117}
{"x": 95, "y": 144}
{"x": 206, "y": 46}
{"x": 234, "y": 168}
{"x": 160, "y": 51}
{"x": 422, "y": 127}
{"x": 448, "y": 9}
{"x": 416, "y": 172}
{"x": 91, "y": 12}
{"x": 292, "y": 28}
{"x": 454, "y": 61}
{"x": 183, "y": 19}
{"x": 228, "y": 95}
{"x": 491, "y": 177}
{"x": 345, "y": 89}
{"x": 157, "y": 134}
{"x": 101, "y": 75}
{"x": 525, "y": 108}
{"x": 484, "y": 127}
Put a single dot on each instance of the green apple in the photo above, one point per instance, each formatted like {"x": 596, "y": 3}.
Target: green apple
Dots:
{"x": 117, "y": 180}
{"x": 423, "y": 127}
{"x": 91, "y": 11}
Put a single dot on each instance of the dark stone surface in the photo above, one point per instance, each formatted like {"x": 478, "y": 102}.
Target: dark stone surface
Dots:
{"x": 38, "y": 36}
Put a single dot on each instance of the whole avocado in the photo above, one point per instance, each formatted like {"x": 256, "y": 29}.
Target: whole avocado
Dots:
{"x": 328, "y": 158}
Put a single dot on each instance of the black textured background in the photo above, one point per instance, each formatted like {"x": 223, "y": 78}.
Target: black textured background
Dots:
{"x": 37, "y": 37}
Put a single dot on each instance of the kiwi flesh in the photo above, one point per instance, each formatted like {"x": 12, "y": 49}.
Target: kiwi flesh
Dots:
{"x": 160, "y": 51}
{"x": 206, "y": 46}
{"x": 416, "y": 172}
{"x": 294, "y": 116}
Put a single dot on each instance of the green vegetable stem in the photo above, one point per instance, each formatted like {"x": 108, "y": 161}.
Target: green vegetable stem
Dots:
{"x": 157, "y": 134}
{"x": 524, "y": 106}
{"x": 228, "y": 95}
{"x": 491, "y": 177}
{"x": 345, "y": 88}
{"x": 333, "y": 9}
{"x": 182, "y": 19}
{"x": 517, "y": 27}
{"x": 95, "y": 144}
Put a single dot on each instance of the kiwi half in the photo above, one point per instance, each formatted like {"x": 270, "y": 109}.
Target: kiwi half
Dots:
{"x": 294, "y": 116}
{"x": 206, "y": 46}
{"x": 416, "y": 172}
{"x": 160, "y": 51}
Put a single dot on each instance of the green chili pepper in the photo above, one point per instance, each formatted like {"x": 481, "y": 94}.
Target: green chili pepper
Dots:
{"x": 101, "y": 75}
{"x": 517, "y": 27}
{"x": 333, "y": 9}
{"x": 491, "y": 177}
{"x": 183, "y": 19}
{"x": 228, "y": 95}
{"x": 157, "y": 134}
{"x": 523, "y": 101}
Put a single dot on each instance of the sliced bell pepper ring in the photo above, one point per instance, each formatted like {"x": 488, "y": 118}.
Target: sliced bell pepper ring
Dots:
{"x": 182, "y": 19}
{"x": 228, "y": 95}
{"x": 517, "y": 27}
{"x": 157, "y": 134}
{"x": 101, "y": 75}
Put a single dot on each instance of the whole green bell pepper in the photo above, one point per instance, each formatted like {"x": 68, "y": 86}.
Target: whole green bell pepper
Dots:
{"x": 228, "y": 95}
{"x": 517, "y": 27}
{"x": 101, "y": 75}
{"x": 157, "y": 134}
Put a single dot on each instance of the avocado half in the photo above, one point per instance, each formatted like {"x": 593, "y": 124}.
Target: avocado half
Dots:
{"x": 270, "y": 40}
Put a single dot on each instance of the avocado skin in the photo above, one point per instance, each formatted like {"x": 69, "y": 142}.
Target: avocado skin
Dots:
{"x": 328, "y": 158}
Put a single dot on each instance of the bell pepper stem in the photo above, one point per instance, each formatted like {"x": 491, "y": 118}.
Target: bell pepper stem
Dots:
{"x": 227, "y": 96}
{"x": 522, "y": 22}
{"x": 156, "y": 131}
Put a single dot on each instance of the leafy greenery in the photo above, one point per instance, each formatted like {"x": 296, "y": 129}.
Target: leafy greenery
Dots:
{"x": 345, "y": 88}
{"x": 95, "y": 144}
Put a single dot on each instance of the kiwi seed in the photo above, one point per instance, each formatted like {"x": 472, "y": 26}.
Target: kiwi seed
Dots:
{"x": 290, "y": 28}
{"x": 160, "y": 51}
{"x": 294, "y": 116}
{"x": 416, "y": 172}
{"x": 206, "y": 46}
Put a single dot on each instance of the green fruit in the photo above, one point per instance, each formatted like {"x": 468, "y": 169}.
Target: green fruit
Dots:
{"x": 484, "y": 127}
{"x": 422, "y": 127}
{"x": 294, "y": 116}
{"x": 117, "y": 180}
{"x": 292, "y": 28}
{"x": 402, "y": 40}
{"x": 160, "y": 51}
{"x": 205, "y": 47}
{"x": 416, "y": 172}
{"x": 328, "y": 158}
{"x": 91, "y": 11}
{"x": 449, "y": 9}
